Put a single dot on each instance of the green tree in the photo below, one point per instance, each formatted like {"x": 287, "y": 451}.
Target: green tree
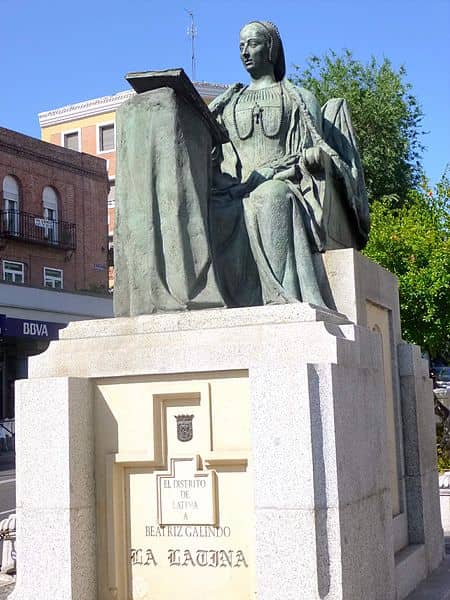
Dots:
{"x": 412, "y": 240}
{"x": 386, "y": 116}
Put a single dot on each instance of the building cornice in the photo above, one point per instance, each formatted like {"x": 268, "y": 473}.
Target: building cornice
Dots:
{"x": 80, "y": 110}
{"x": 106, "y": 104}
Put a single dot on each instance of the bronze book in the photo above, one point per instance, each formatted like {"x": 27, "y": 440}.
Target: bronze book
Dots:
{"x": 177, "y": 79}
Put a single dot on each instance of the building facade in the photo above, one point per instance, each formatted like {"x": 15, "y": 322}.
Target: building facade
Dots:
{"x": 89, "y": 127}
{"x": 53, "y": 249}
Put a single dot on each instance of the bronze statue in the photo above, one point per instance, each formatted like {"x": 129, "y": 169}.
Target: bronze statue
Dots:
{"x": 285, "y": 183}
{"x": 286, "y": 162}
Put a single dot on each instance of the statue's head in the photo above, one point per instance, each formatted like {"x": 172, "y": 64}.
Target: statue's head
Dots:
{"x": 262, "y": 50}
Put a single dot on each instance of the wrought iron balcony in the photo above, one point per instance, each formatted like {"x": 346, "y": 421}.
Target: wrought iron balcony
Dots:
{"x": 26, "y": 227}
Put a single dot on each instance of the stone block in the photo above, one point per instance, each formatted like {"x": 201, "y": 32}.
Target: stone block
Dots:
{"x": 410, "y": 569}
{"x": 433, "y": 533}
{"x": 55, "y": 495}
{"x": 286, "y": 561}
{"x": 366, "y": 549}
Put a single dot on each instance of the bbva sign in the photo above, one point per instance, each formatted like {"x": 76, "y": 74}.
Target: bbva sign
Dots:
{"x": 13, "y": 327}
{"x": 35, "y": 329}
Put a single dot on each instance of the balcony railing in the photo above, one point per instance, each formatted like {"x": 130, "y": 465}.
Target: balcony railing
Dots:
{"x": 35, "y": 229}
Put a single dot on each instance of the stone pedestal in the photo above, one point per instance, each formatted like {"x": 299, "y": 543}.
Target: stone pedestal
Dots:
{"x": 222, "y": 454}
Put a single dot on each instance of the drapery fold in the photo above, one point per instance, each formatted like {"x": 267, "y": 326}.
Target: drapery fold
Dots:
{"x": 162, "y": 255}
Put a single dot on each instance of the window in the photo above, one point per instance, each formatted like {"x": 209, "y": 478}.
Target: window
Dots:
{"x": 50, "y": 205}
{"x": 13, "y": 272}
{"x": 71, "y": 140}
{"x": 110, "y": 251}
{"x": 11, "y": 205}
{"x": 112, "y": 194}
{"x": 106, "y": 138}
{"x": 53, "y": 278}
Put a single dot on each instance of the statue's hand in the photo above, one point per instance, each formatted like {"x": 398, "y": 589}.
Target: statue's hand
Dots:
{"x": 265, "y": 172}
{"x": 290, "y": 173}
{"x": 314, "y": 158}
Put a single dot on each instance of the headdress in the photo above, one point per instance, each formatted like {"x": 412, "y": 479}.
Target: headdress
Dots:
{"x": 276, "y": 51}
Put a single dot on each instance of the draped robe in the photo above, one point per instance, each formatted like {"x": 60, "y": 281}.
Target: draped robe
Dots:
{"x": 243, "y": 264}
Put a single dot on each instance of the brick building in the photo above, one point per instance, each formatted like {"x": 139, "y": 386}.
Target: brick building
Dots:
{"x": 53, "y": 248}
{"x": 89, "y": 126}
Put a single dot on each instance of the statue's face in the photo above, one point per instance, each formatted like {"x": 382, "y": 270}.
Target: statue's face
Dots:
{"x": 254, "y": 49}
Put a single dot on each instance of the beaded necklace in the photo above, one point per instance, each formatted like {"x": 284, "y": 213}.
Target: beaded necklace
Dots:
{"x": 257, "y": 116}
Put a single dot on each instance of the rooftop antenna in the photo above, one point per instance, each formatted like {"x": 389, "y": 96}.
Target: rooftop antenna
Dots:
{"x": 192, "y": 33}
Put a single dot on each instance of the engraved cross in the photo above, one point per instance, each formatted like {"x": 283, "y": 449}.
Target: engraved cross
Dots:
{"x": 257, "y": 112}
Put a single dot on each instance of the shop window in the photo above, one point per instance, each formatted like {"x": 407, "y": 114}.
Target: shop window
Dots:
{"x": 50, "y": 205}
{"x": 53, "y": 278}
{"x": 14, "y": 272}
{"x": 71, "y": 140}
{"x": 11, "y": 205}
{"x": 106, "y": 141}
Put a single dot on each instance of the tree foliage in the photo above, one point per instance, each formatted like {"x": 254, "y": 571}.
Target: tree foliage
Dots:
{"x": 412, "y": 240}
{"x": 386, "y": 116}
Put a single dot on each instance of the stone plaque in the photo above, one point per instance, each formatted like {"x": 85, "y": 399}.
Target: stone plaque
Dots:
{"x": 186, "y": 496}
{"x": 176, "y": 516}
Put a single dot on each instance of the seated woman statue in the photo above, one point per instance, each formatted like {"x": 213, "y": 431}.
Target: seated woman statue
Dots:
{"x": 287, "y": 163}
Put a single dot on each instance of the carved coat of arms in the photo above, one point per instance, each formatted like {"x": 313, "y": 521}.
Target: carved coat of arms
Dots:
{"x": 185, "y": 431}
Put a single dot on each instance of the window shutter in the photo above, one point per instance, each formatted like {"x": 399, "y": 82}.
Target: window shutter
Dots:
{"x": 71, "y": 141}
{"x": 107, "y": 138}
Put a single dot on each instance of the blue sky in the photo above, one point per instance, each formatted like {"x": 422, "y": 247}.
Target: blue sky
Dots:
{"x": 56, "y": 53}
